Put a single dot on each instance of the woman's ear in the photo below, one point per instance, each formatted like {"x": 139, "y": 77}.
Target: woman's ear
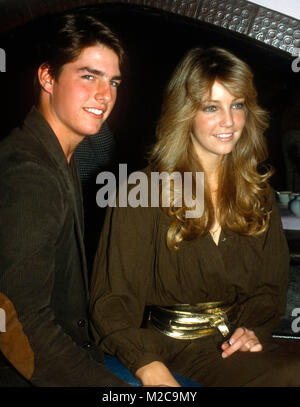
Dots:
{"x": 45, "y": 78}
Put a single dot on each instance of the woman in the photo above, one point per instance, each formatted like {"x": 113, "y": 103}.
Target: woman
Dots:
{"x": 231, "y": 262}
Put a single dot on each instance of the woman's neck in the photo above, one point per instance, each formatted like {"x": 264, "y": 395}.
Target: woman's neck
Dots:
{"x": 211, "y": 170}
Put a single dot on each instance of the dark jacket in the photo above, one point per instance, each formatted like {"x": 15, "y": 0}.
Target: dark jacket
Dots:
{"x": 43, "y": 275}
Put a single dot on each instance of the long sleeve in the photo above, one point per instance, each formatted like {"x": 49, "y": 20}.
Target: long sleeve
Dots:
{"x": 134, "y": 269}
{"x": 266, "y": 303}
{"x": 33, "y": 210}
{"x": 122, "y": 276}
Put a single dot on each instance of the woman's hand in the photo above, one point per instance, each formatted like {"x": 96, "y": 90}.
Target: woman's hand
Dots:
{"x": 156, "y": 374}
{"x": 243, "y": 339}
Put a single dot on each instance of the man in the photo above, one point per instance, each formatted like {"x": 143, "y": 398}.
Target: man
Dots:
{"x": 43, "y": 275}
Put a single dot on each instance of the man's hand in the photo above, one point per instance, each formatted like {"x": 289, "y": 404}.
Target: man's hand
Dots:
{"x": 244, "y": 340}
{"x": 156, "y": 374}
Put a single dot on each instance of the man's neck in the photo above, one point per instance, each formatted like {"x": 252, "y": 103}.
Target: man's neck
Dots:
{"x": 68, "y": 142}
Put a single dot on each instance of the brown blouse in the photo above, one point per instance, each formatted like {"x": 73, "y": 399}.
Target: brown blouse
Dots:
{"x": 134, "y": 269}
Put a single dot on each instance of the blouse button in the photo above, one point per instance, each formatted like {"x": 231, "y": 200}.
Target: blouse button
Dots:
{"x": 81, "y": 323}
{"x": 86, "y": 345}
{"x": 223, "y": 239}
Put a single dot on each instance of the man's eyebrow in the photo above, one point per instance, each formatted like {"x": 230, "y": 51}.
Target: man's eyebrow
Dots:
{"x": 97, "y": 72}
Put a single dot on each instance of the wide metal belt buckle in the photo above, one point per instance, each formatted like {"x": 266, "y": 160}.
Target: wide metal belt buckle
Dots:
{"x": 182, "y": 325}
{"x": 221, "y": 323}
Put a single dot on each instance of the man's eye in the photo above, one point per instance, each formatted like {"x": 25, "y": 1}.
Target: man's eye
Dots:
{"x": 115, "y": 84}
{"x": 210, "y": 108}
{"x": 88, "y": 77}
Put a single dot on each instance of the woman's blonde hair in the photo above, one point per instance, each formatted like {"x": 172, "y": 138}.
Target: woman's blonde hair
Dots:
{"x": 243, "y": 190}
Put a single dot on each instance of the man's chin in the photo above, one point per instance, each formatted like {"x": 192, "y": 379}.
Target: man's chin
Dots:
{"x": 91, "y": 132}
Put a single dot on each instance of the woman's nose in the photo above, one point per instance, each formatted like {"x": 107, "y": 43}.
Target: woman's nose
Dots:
{"x": 227, "y": 118}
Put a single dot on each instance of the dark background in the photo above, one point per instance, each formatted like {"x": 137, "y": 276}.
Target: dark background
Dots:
{"x": 155, "y": 41}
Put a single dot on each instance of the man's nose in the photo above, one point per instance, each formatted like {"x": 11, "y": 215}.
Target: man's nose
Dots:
{"x": 104, "y": 92}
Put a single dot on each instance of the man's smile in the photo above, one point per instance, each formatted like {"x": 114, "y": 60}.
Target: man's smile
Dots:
{"x": 95, "y": 111}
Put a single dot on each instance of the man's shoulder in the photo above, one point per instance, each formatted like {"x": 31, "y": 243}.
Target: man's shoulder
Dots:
{"x": 30, "y": 144}
{"x": 19, "y": 148}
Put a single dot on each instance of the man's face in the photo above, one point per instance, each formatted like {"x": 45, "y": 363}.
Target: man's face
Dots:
{"x": 85, "y": 92}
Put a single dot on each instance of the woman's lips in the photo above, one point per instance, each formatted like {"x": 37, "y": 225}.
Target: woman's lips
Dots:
{"x": 224, "y": 136}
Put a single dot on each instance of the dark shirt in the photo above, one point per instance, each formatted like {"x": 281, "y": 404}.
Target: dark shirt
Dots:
{"x": 93, "y": 155}
{"x": 135, "y": 269}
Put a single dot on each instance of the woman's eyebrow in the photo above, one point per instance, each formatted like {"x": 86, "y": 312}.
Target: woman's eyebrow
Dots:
{"x": 210, "y": 101}
{"x": 218, "y": 101}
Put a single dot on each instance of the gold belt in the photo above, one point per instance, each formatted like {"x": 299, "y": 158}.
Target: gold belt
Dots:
{"x": 185, "y": 321}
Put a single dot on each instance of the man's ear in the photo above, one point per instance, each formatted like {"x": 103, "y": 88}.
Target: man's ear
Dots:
{"x": 45, "y": 78}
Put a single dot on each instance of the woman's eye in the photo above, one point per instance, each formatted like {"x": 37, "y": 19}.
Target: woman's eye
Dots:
{"x": 238, "y": 105}
{"x": 209, "y": 109}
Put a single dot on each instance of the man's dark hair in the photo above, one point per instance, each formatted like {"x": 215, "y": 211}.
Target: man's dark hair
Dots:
{"x": 66, "y": 35}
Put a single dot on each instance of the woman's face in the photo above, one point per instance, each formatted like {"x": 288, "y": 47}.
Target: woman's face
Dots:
{"x": 218, "y": 124}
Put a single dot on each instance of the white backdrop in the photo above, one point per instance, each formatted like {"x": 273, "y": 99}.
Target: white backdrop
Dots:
{"x": 289, "y": 7}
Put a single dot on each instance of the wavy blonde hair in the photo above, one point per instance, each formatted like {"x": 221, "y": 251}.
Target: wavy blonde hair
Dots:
{"x": 243, "y": 195}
